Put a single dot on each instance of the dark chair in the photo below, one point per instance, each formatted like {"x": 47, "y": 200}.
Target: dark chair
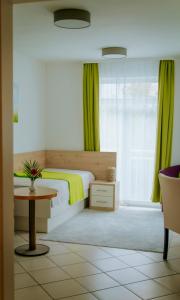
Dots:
{"x": 170, "y": 191}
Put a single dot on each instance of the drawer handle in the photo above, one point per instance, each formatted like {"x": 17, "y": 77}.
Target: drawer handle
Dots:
{"x": 101, "y": 190}
{"x": 100, "y": 201}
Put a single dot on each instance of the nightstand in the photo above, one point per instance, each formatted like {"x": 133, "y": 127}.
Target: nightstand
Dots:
{"x": 104, "y": 195}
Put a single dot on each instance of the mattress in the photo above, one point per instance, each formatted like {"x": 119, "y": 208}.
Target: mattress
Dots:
{"x": 60, "y": 185}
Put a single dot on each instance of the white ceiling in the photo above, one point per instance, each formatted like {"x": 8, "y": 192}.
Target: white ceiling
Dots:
{"x": 148, "y": 28}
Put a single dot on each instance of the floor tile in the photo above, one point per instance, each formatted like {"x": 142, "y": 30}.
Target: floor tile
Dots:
{"x": 81, "y": 297}
{"x": 109, "y": 264}
{"x": 37, "y": 264}
{"x": 18, "y": 269}
{"x": 20, "y": 258}
{"x": 174, "y": 252}
{"x": 23, "y": 280}
{"x": 136, "y": 259}
{"x": 80, "y": 247}
{"x": 49, "y": 275}
{"x": 31, "y": 293}
{"x": 169, "y": 297}
{"x": 155, "y": 256}
{"x": 97, "y": 282}
{"x": 117, "y": 251}
{"x": 174, "y": 264}
{"x": 170, "y": 282}
{"x": 156, "y": 269}
{"x": 176, "y": 241}
{"x": 18, "y": 241}
{"x": 65, "y": 288}
{"x": 57, "y": 249}
{"x": 51, "y": 243}
{"x": 24, "y": 235}
{"x": 148, "y": 289}
{"x": 93, "y": 254}
{"x": 116, "y": 293}
{"x": 126, "y": 276}
{"x": 66, "y": 259}
{"x": 82, "y": 269}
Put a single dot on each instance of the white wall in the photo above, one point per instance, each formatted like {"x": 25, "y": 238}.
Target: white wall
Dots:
{"x": 29, "y": 76}
{"x": 64, "y": 107}
{"x": 51, "y": 106}
{"x": 176, "y": 134}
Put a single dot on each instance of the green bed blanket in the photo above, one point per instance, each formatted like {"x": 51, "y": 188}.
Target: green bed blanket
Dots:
{"x": 76, "y": 189}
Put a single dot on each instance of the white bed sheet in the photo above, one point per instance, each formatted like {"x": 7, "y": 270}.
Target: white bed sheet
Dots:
{"x": 60, "y": 185}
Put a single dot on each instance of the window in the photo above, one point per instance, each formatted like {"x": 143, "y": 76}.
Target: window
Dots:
{"x": 128, "y": 109}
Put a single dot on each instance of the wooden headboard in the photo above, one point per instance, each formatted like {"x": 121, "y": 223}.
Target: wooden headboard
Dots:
{"x": 21, "y": 157}
{"x": 96, "y": 162}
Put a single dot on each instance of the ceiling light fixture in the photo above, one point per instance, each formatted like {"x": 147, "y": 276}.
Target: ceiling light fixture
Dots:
{"x": 72, "y": 18}
{"x": 114, "y": 52}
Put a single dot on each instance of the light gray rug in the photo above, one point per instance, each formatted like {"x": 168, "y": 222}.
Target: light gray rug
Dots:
{"x": 128, "y": 228}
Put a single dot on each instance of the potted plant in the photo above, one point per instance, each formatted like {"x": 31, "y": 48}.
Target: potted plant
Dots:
{"x": 33, "y": 171}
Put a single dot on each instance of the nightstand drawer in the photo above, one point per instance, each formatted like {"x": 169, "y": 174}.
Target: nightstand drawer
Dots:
{"x": 102, "y": 201}
{"x": 103, "y": 190}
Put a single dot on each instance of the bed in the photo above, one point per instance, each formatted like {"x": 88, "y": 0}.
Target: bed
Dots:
{"x": 51, "y": 213}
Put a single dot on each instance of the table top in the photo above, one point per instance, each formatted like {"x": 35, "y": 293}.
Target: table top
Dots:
{"x": 40, "y": 193}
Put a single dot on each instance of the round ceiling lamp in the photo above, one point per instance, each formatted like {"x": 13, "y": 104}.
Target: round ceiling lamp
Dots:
{"x": 114, "y": 52}
{"x": 72, "y": 18}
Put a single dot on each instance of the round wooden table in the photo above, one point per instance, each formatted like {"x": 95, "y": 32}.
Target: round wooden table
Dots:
{"x": 41, "y": 193}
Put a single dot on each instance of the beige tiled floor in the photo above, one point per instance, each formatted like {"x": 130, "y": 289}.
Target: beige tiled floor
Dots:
{"x": 66, "y": 259}
{"x": 49, "y": 275}
{"x": 148, "y": 289}
{"x": 116, "y": 293}
{"x": 97, "y": 282}
{"x": 82, "y": 269}
{"x": 24, "y": 280}
{"x": 64, "y": 288}
{"x": 84, "y": 272}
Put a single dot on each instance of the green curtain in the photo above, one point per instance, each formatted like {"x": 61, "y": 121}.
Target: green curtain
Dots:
{"x": 165, "y": 122}
{"x": 91, "y": 107}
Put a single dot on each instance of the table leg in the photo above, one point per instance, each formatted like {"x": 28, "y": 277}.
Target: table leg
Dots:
{"x": 32, "y": 226}
{"x": 32, "y": 249}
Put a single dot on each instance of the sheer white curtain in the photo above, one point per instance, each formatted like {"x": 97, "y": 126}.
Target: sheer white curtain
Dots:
{"x": 128, "y": 108}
